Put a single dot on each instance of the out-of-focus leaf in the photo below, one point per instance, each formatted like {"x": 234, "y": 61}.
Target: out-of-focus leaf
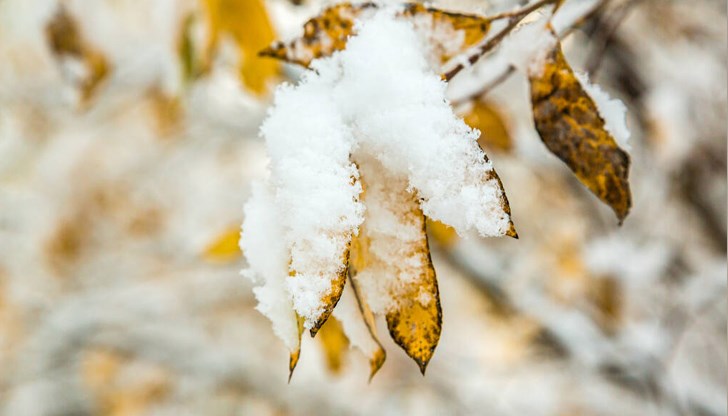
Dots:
{"x": 189, "y": 61}
{"x": 415, "y": 323}
{"x": 357, "y": 261}
{"x": 335, "y": 343}
{"x": 246, "y": 21}
{"x": 443, "y": 234}
{"x": 606, "y": 295}
{"x": 332, "y": 297}
{"x": 224, "y": 247}
{"x": 329, "y": 31}
{"x": 569, "y": 124}
{"x": 493, "y": 131}
{"x": 67, "y": 43}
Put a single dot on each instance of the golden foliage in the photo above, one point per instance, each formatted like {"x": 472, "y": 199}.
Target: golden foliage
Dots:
{"x": 334, "y": 342}
{"x": 224, "y": 247}
{"x": 415, "y": 323}
{"x": 329, "y": 31}
{"x": 246, "y": 21}
{"x": 66, "y": 41}
{"x": 569, "y": 124}
{"x": 494, "y": 135}
{"x": 296, "y": 354}
{"x": 333, "y": 296}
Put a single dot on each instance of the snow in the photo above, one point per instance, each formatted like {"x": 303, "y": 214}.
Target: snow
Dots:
{"x": 570, "y": 13}
{"x": 380, "y": 97}
{"x": 262, "y": 243}
{"x": 612, "y": 110}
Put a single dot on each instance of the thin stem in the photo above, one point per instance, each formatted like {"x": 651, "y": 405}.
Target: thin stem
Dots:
{"x": 515, "y": 18}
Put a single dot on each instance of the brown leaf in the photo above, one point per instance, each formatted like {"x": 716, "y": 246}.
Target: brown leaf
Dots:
{"x": 569, "y": 124}
{"x": 485, "y": 117}
{"x": 66, "y": 42}
{"x": 334, "y": 342}
{"x": 246, "y": 21}
{"x": 329, "y": 31}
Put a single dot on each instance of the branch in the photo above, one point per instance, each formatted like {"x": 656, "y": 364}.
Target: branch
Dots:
{"x": 514, "y": 18}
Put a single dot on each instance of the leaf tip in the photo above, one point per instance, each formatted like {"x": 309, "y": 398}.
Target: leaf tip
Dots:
{"x": 292, "y": 361}
{"x": 376, "y": 362}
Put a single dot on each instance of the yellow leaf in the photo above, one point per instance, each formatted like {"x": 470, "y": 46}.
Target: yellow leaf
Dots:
{"x": 416, "y": 322}
{"x": 246, "y": 21}
{"x": 443, "y": 234}
{"x": 334, "y": 342}
{"x": 391, "y": 264}
{"x": 492, "y": 174}
{"x": 329, "y": 31}
{"x": 296, "y": 354}
{"x": 570, "y": 126}
{"x": 66, "y": 42}
{"x": 224, "y": 248}
{"x": 493, "y": 131}
{"x": 332, "y": 297}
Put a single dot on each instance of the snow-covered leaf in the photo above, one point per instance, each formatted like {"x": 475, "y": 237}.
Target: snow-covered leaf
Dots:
{"x": 449, "y": 33}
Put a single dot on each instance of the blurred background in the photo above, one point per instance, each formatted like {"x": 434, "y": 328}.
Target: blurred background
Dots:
{"x": 128, "y": 139}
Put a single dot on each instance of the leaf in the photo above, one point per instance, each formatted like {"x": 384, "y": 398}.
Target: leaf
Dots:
{"x": 493, "y": 131}
{"x": 416, "y": 323}
{"x": 370, "y": 345}
{"x": 332, "y": 297}
{"x": 492, "y": 174}
{"x": 329, "y": 31}
{"x": 443, "y": 234}
{"x": 66, "y": 42}
{"x": 570, "y": 126}
{"x": 246, "y": 21}
{"x": 224, "y": 248}
{"x": 334, "y": 342}
{"x": 296, "y": 353}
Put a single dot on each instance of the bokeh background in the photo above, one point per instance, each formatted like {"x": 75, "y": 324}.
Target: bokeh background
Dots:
{"x": 128, "y": 139}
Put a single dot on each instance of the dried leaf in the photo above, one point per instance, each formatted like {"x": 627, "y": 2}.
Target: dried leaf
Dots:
{"x": 443, "y": 234}
{"x": 372, "y": 349}
{"x": 67, "y": 43}
{"x": 335, "y": 343}
{"x": 569, "y": 124}
{"x": 416, "y": 322}
{"x": 224, "y": 248}
{"x": 511, "y": 232}
{"x": 332, "y": 297}
{"x": 295, "y": 354}
{"x": 493, "y": 131}
{"x": 246, "y": 21}
{"x": 329, "y": 31}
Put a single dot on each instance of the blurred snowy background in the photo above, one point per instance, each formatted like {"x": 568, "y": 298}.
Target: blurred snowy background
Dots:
{"x": 124, "y": 165}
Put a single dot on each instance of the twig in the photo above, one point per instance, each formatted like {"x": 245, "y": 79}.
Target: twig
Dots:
{"x": 515, "y": 18}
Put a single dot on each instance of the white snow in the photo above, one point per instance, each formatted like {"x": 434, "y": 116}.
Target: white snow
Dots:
{"x": 612, "y": 110}
{"x": 262, "y": 243}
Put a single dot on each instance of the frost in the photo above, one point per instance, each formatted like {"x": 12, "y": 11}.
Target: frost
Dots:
{"x": 381, "y": 97}
{"x": 612, "y": 111}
